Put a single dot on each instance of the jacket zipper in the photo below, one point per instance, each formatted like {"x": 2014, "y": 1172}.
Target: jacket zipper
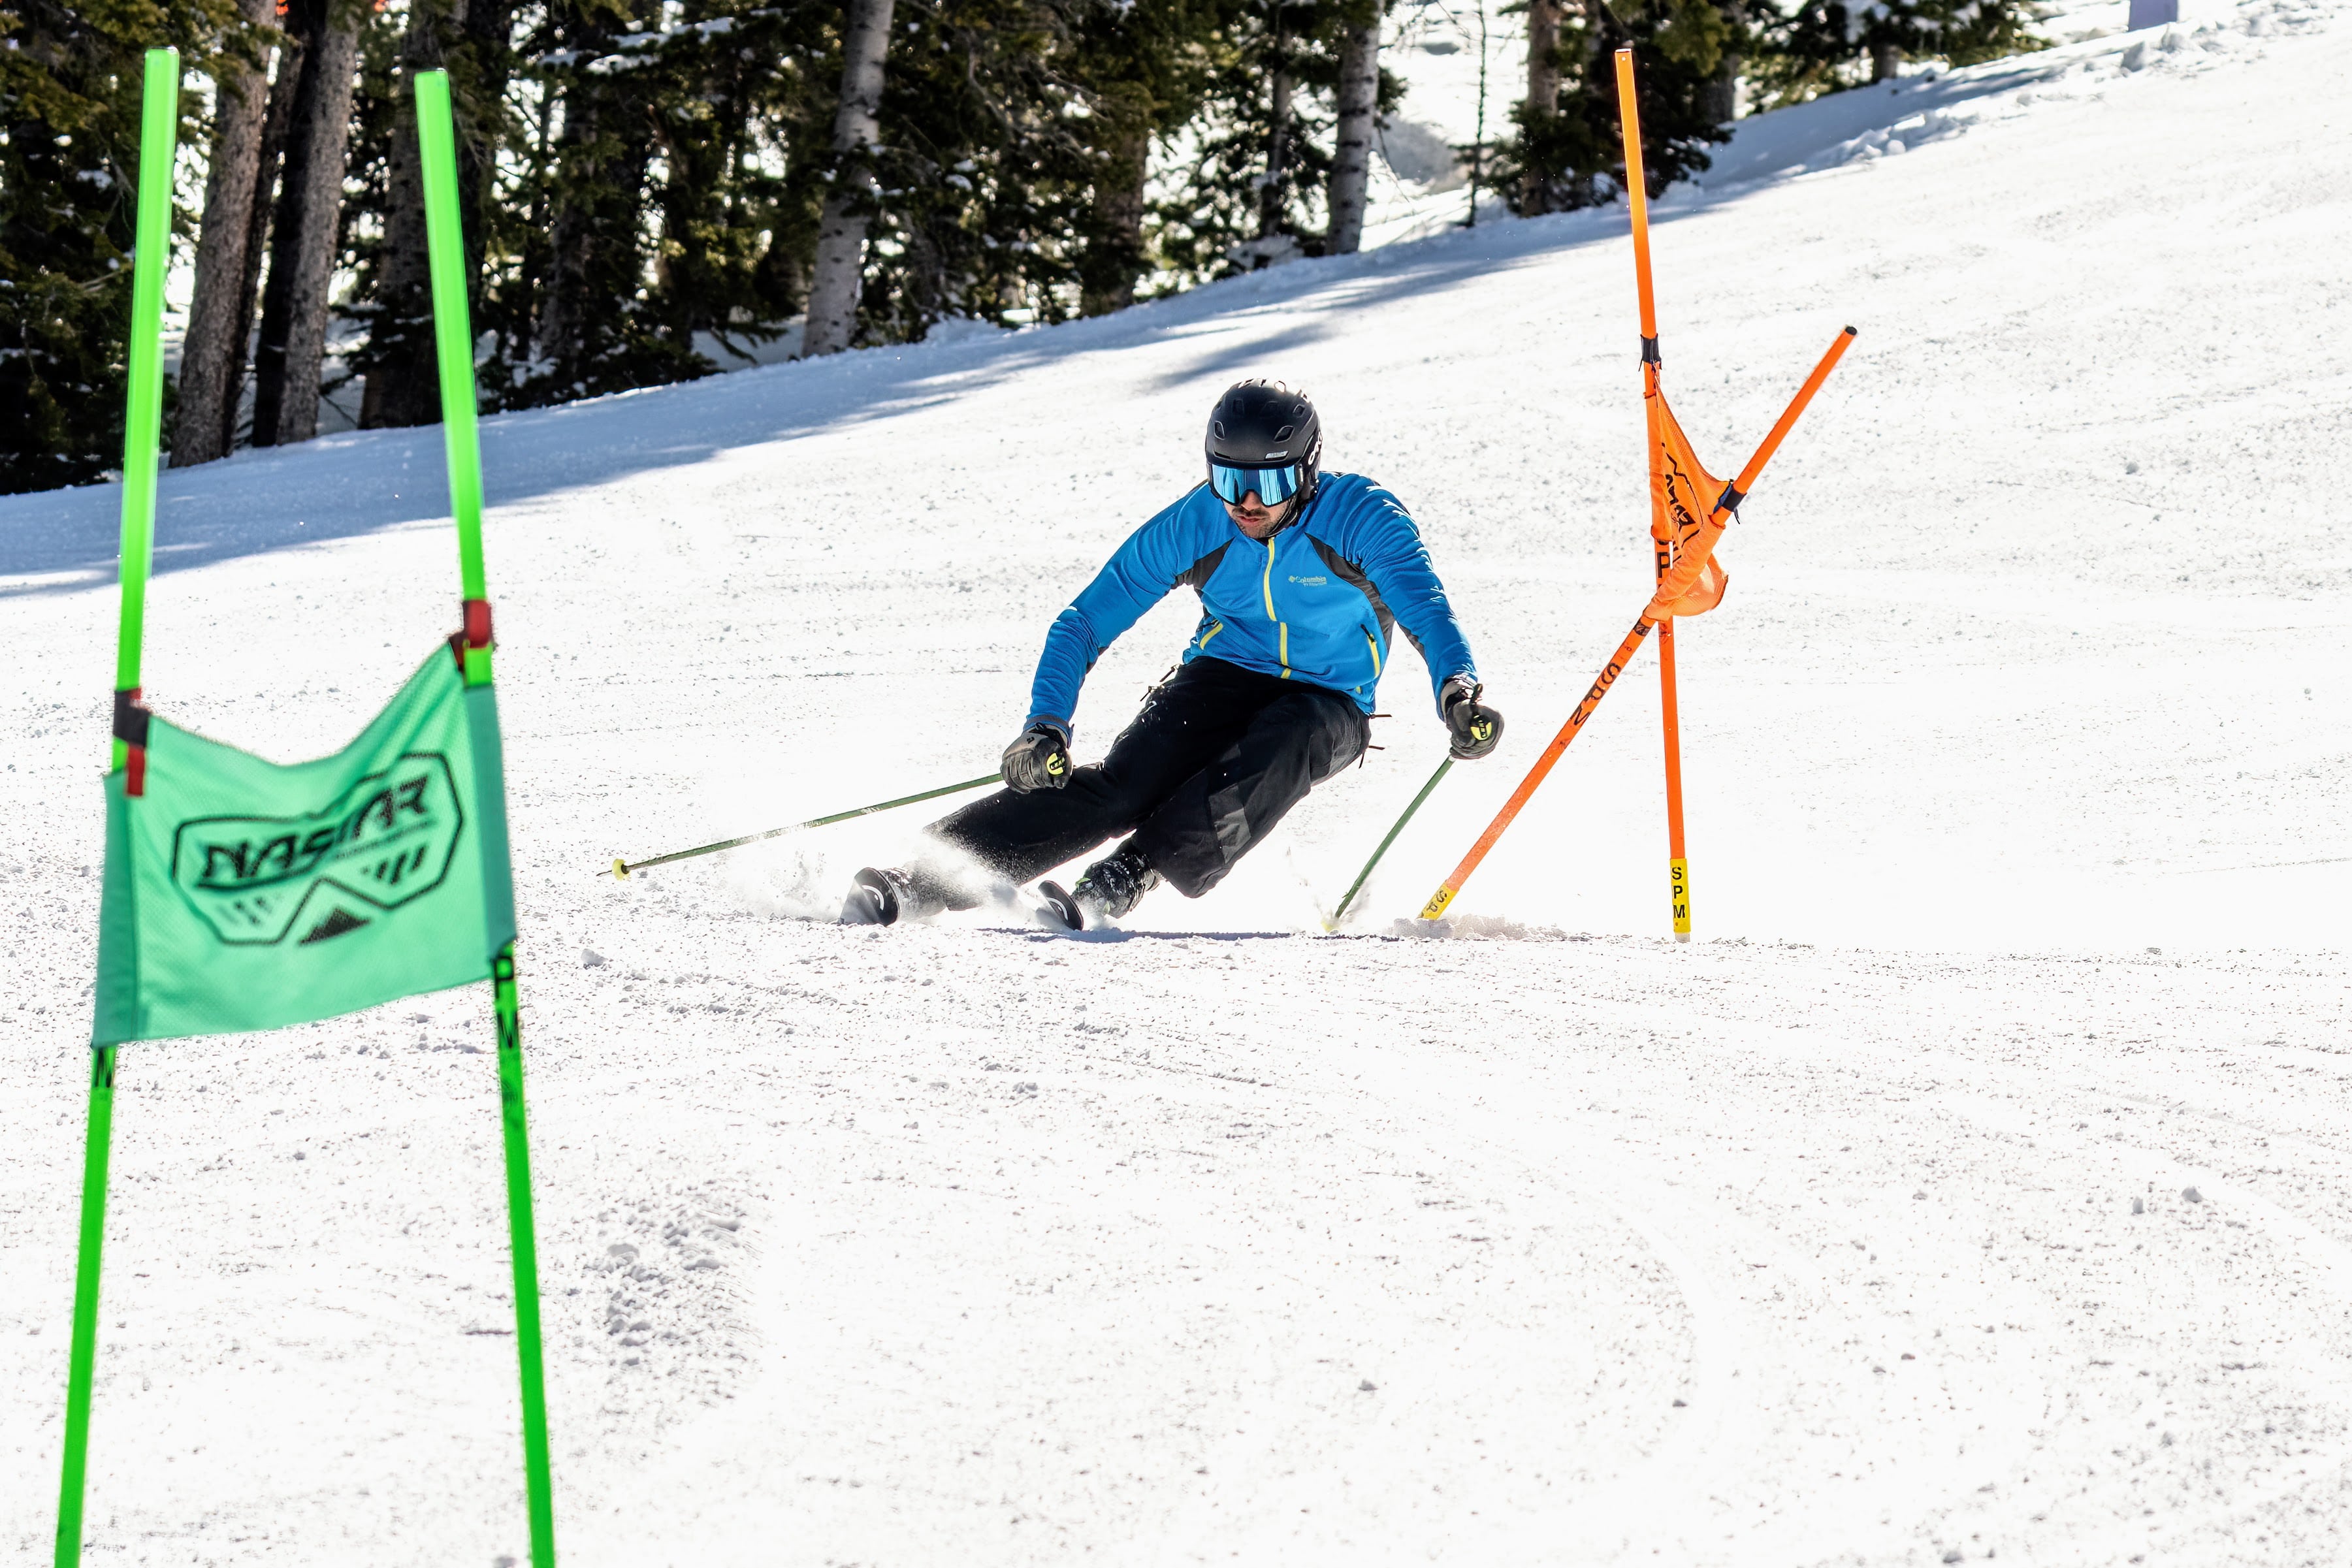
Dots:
{"x": 1281, "y": 627}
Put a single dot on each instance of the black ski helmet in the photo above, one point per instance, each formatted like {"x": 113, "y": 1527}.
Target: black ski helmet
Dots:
{"x": 1267, "y": 424}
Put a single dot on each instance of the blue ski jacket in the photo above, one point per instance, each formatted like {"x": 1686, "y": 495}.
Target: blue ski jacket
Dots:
{"x": 1319, "y": 602}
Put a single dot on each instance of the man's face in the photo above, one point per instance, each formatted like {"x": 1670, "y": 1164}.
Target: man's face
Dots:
{"x": 1254, "y": 517}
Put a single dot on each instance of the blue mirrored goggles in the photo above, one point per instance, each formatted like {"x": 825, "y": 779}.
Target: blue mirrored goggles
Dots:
{"x": 1272, "y": 486}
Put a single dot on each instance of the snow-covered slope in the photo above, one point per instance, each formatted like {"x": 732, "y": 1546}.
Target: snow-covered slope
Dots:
{"x": 2018, "y": 841}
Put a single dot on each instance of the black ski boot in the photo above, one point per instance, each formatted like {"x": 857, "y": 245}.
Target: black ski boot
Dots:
{"x": 1108, "y": 890}
{"x": 882, "y": 896}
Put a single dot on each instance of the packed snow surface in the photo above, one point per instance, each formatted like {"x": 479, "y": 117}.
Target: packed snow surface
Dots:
{"x": 1978, "y": 1182}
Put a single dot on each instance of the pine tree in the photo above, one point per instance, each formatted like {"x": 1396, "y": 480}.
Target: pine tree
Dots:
{"x": 730, "y": 95}
{"x": 1540, "y": 160}
{"x": 1828, "y": 46}
{"x": 620, "y": 198}
{"x": 1721, "y": 105}
{"x": 592, "y": 331}
{"x": 986, "y": 173}
{"x": 642, "y": 183}
{"x": 472, "y": 40}
{"x": 1143, "y": 67}
{"x": 1014, "y": 139}
{"x": 1571, "y": 153}
{"x": 1250, "y": 193}
{"x": 371, "y": 160}
{"x": 70, "y": 84}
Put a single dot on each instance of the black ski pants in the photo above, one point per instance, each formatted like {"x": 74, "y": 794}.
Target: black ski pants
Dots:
{"x": 1216, "y": 757}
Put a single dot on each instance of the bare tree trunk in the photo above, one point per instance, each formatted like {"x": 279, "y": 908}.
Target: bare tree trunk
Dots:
{"x": 280, "y": 113}
{"x": 206, "y": 375}
{"x": 403, "y": 379}
{"x": 559, "y": 324}
{"x": 594, "y": 259}
{"x": 562, "y": 335}
{"x": 1351, "y": 161}
{"x": 1478, "y": 146}
{"x": 1886, "y": 61}
{"x": 1271, "y": 196}
{"x": 1597, "y": 32}
{"x": 1536, "y": 185}
{"x": 530, "y": 276}
{"x": 782, "y": 276}
{"x": 839, "y": 274}
{"x": 1114, "y": 256}
{"x": 1720, "y": 102}
{"x": 401, "y": 389}
{"x": 303, "y": 234}
{"x": 1543, "y": 56}
{"x": 322, "y": 208}
{"x": 488, "y": 31}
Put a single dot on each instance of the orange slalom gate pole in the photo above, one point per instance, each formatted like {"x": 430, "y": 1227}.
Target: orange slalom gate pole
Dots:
{"x": 1637, "y": 196}
{"x": 1676, "y": 583}
{"x": 1738, "y": 490}
{"x": 1677, "y": 860}
{"x": 1618, "y": 661}
{"x": 1629, "y": 121}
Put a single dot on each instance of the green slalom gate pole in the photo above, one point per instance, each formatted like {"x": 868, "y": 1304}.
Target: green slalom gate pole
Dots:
{"x": 536, "y": 1470}
{"x": 141, "y": 440}
{"x": 70, "y": 1484}
{"x": 453, "y": 343}
{"x": 622, "y": 868}
{"x": 1357, "y": 886}
{"x": 453, "y": 346}
{"x": 142, "y": 426}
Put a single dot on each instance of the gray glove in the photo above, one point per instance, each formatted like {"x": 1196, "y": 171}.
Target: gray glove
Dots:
{"x": 1040, "y": 760}
{"x": 1476, "y": 730}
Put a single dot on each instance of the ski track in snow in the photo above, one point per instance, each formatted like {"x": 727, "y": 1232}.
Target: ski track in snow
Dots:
{"x": 2019, "y": 848}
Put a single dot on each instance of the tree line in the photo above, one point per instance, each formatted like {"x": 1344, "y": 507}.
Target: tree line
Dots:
{"x": 652, "y": 187}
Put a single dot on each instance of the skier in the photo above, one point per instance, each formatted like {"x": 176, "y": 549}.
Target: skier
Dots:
{"x": 1303, "y": 577}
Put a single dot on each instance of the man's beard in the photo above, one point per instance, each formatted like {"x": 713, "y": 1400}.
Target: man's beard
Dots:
{"x": 1276, "y": 520}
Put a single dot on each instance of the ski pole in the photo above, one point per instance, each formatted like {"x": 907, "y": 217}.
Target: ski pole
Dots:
{"x": 1357, "y": 886}
{"x": 1675, "y": 583}
{"x": 621, "y": 868}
